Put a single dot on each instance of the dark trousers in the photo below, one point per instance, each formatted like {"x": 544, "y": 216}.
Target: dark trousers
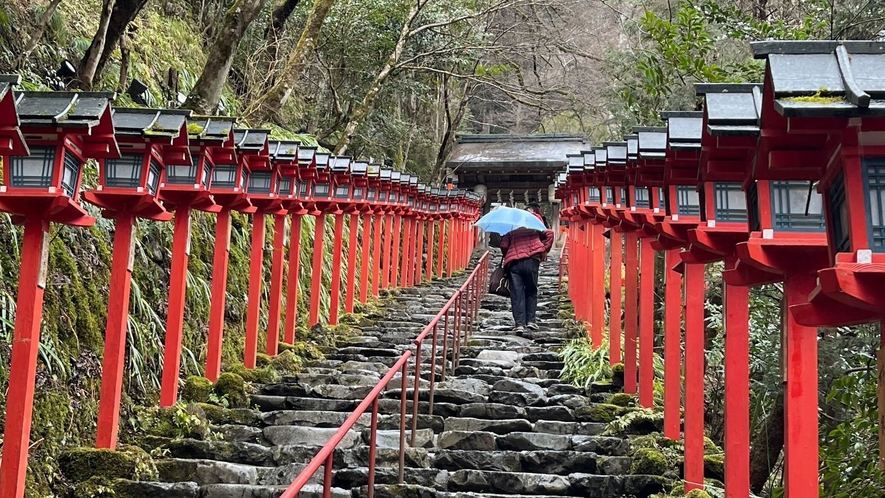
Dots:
{"x": 524, "y": 290}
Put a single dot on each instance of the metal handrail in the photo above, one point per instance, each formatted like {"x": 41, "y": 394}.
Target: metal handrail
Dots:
{"x": 464, "y": 307}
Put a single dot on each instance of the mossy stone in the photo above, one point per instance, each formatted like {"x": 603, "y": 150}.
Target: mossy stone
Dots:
{"x": 698, "y": 493}
{"x": 259, "y": 375}
{"x": 94, "y": 487}
{"x": 196, "y": 389}
{"x": 678, "y": 489}
{"x": 287, "y": 362}
{"x": 648, "y": 461}
{"x": 220, "y": 415}
{"x": 232, "y": 387}
{"x": 178, "y": 421}
{"x": 714, "y": 466}
{"x": 618, "y": 374}
{"x": 600, "y": 412}
{"x": 710, "y": 447}
{"x": 263, "y": 360}
{"x": 622, "y": 399}
{"x": 127, "y": 462}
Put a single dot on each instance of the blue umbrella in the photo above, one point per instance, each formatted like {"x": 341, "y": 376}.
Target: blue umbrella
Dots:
{"x": 504, "y": 220}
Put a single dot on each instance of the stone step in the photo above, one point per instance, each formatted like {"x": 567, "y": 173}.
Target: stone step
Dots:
{"x": 249, "y": 491}
{"x": 531, "y": 441}
{"x": 538, "y": 462}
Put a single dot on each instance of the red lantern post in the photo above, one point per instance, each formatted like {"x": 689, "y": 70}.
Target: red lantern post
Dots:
{"x": 41, "y": 184}
{"x": 185, "y": 188}
{"x": 321, "y": 202}
{"x": 149, "y": 140}
{"x": 300, "y": 179}
{"x": 345, "y": 204}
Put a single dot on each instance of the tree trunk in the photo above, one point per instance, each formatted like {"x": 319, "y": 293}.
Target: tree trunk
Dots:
{"x": 268, "y": 105}
{"x": 766, "y": 448}
{"x": 278, "y": 20}
{"x": 453, "y": 121}
{"x": 89, "y": 63}
{"x": 125, "y": 11}
{"x": 357, "y": 118}
{"x": 124, "y": 63}
{"x": 204, "y": 97}
{"x": 37, "y": 33}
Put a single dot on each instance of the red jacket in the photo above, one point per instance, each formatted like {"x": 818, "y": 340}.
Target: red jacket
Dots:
{"x": 524, "y": 243}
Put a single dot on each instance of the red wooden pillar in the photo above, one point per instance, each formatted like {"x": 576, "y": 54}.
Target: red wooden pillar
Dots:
{"x": 646, "y": 323}
{"x": 800, "y": 396}
{"x": 219, "y": 293}
{"x": 440, "y": 259}
{"x": 450, "y": 246}
{"x": 394, "y": 267}
{"x": 256, "y": 275}
{"x": 23, "y": 369}
{"x": 597, "y": 243}
{"x": 405, "y": 277}
{"x": 419, "y": 253}
{"x": 335, "y": 291}
{"x": 430, "y": 228}
{"x": 631, "y": 310}
{"x": 292, "y": 284}
{"x": 175, "y": 319}
{"x": 115, "y": 337}
{"x": 694, "y": 377}
{"x": 581, "y": 260}
{"x": 351, "y": 264}
{"x": 376, "y": 253}
{"x": 737, "y": 388}
{"x": 316, "y": 281}
{"x": 365, "y": 257}
{"x": 672, "y": 346}
{"x": 388, "y": 248}
{"x": 614, "y": 316}
{"x": 275, "y": 299}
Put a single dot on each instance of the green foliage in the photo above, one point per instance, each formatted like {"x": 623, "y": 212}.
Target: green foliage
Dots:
{"x": 182, "y": 420}
{"x": 622, "y": 399}
{"x": 649, "y": 461}
{"x": 636, "y": 421}
{"x": 599, "y": 412}
{"x": 584, "y": 364}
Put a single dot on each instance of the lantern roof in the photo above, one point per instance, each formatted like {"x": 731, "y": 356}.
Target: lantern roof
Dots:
{"x": 589, "y": 158}
{"x": 395, "y": 176}
{"x": 684, "y": 129}
{"x": 340, "y": 164}
{"x": 405, "y": 179}
{"x": 601, "y": 155}
{"x": 652, "y": 141}
{"x": 251, "y": 140}
{"x": 616, "y": 152}
{"x": 373, "y": 170}
{"x": 284, "y": 150}
{"x": 413, "y": 181}
{"x": 150, "y": 123}
{"x": 210, "y": 129}
{"x": 359, "y": 168}
{"x": 64, "y": 109}
{"x": 732, "y": 109}
{"x": 9, "y": 117}
{"x": 575, "y": 163}
{"x": 322, "y": 160}
{"x": 386, "y": 174}
{"x": 826, "y": 78}
{"x": 306, "y": 156}
{"x": 632, "y": 142}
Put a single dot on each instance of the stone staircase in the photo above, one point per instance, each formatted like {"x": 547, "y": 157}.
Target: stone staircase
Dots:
{"x": 504, "y": 425}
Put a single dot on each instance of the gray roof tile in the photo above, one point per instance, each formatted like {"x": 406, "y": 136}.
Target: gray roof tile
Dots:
{"x": 76, "y": 109}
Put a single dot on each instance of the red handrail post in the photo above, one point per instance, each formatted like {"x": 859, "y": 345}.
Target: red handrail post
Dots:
{"x": 433, "y": 369}
{"x": 293, "y": 280}
{"x": 402, "y": 420}
{"x": 416, "y": 389}
{"x": 373, "y": 448}
{"x": 275, "y": 300}
{"x": 316, "y": 282}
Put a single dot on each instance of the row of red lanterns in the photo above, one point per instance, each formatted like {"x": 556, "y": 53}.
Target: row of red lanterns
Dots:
{"x": 783, "y": 182}
{"x": 153, "y": 162}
